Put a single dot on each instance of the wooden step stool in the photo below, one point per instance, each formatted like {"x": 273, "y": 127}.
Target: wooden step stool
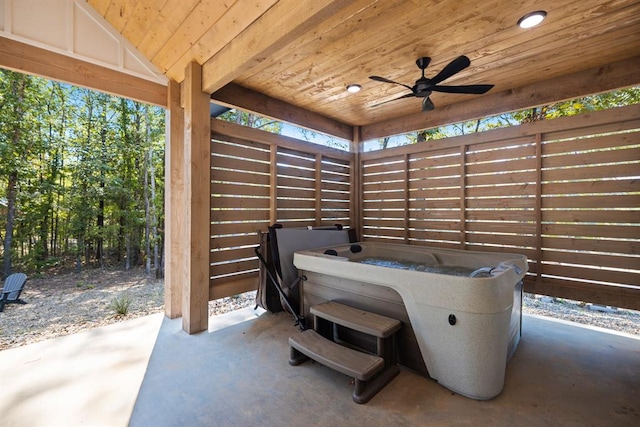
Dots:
{"x": 371, "y": 372}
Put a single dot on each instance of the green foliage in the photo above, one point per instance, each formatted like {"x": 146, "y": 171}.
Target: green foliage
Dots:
{"x": 78, "y": 159}
{"x": 120, "y": 304}
{"x": 252, "y": 120}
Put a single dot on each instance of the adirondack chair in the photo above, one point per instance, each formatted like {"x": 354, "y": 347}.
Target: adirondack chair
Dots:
{"x": 12, "y": 289}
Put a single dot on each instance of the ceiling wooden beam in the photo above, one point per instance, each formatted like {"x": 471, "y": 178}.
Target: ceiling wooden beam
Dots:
{"x": 28, "y": 59}
{"x": 233, "y": 96}
{"x": 602, "y": 79}
{"x": 280, "y": 25}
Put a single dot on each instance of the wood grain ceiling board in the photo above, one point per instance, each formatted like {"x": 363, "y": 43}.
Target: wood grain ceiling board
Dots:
{"x": 309, "y": 65}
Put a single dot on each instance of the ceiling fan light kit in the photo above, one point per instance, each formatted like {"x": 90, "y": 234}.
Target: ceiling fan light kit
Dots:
{"x": 424, "y": 86}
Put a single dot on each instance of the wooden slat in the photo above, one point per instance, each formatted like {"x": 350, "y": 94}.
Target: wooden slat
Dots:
{"x": 430, "y": 204}
{"x": 502, "y": 240}
{"x": 615, "y": 296}
{"x": 375, "y": 223}
{"x": 498, "y": 227}
{"x": 337, "y": 187}
{"x": 502, "y": 203}
{"x": 606, "y": 261}
{"x": 297, "y": 214}
{"x": 598, "y": 143}
{"x": 239, "y": 177}
{"x": 239, "y": 189}
{"x": 613, "y": 201}
{"x": 234, "y": 241}
{"x": 503, "y": 178}
{"x": 501, "y": 166}
{"x": 229, "y": 286}
{"x": 603, "y": 216}
{"x": 612, "y": 231}
{"x": 232, "y": 254}
{"x": 442, "y": 235}
{"x": 382, "y": 186}
{"x": 239, "y": 202}
{"x": 235, "y": 267}
{"x": 241, "y": 150}
{"x": 626, "y": 154}
{"x": 239, "y": 164}
{"x": 238, "y": 227}
{"x": 284, "y": 170}
{"x": 493, "y": 151}
{"x": 593, "y": 245}
{"x": 284, "y": 181}
{"x": 521, "y": 189}
{"x": 298, "y": 193}
{"x": 296, "y": 204}
{"x": 600, "y": 275}
{"x": 502, "y": 215}
{"x": 589, "y": 187}
{"x": 238, "y": 215}
{"x": 592, "y": 173}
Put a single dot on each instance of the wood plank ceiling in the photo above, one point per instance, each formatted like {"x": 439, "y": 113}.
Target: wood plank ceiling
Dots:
{"x": 305, "y": 52}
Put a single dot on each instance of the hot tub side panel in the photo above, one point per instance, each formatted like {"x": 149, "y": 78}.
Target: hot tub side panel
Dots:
{"x": 385, "y": 301}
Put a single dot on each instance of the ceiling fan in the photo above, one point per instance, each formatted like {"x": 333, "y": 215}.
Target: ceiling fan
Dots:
{"x": 424, "y": 86}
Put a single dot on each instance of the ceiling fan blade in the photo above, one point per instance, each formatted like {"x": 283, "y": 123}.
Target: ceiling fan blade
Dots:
{"x": 472, "y": 89}
{"x": 408, "y": 95}
{"x": 427, "y": 105}
{"x": 455, "y": 66}
{"x": 385, "y": 80}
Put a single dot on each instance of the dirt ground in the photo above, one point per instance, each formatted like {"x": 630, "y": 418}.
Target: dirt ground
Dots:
{"x": 61, "y": 304}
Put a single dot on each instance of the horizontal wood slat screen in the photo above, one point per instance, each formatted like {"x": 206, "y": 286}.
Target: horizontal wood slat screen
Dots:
{"x": 258, "y": 179}
{"x": 565, "y": 193}
{"x": 240, "y": 206}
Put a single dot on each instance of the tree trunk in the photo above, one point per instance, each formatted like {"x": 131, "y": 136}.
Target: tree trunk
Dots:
{"x": 11, "y": 215}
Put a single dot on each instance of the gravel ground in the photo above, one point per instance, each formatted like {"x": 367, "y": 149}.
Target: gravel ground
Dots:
{"x": 69, "y": 303}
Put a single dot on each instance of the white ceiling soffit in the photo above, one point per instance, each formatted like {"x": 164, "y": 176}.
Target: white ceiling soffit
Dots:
{"x": 73, "y": 28}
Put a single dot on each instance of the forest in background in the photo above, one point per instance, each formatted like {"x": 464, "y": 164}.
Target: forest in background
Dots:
{"x": 81, "y": 178}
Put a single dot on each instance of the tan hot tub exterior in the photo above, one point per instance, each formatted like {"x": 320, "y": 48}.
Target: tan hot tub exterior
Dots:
{"x": 460, "y": 331}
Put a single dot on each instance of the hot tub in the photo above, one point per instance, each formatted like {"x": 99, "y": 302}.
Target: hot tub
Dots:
{"x": 463, "y": 308}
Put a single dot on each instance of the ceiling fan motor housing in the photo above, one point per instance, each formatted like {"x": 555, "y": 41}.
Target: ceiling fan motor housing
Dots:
{"x": 423, "y": 87}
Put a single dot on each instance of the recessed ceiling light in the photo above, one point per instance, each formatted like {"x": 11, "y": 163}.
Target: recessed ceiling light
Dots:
{"x": 532, "y": 19}
{"x": 353, "y": 88}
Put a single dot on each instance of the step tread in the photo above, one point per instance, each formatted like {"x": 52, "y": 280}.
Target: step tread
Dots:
{"x": 350, "y": 362}
{"x": 356, "y": 319}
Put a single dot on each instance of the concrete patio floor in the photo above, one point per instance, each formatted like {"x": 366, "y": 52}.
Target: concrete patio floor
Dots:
{"x": 147, "y": 372}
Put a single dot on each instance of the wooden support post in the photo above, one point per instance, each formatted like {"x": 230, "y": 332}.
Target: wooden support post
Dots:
{"x": 406, "y": 199}
{"x": 539, "y": 216}
{"x": 175, "y": 205}
{"x": 273, "y": 184}
{"x": 355, "y": 211}
{"x": 463, "y": 197}
{"x": 197, "y": 161}
{"x": 318, "y": 189}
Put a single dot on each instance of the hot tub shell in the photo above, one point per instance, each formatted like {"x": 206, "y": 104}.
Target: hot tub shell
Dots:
{"x": 460, "y": 331}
